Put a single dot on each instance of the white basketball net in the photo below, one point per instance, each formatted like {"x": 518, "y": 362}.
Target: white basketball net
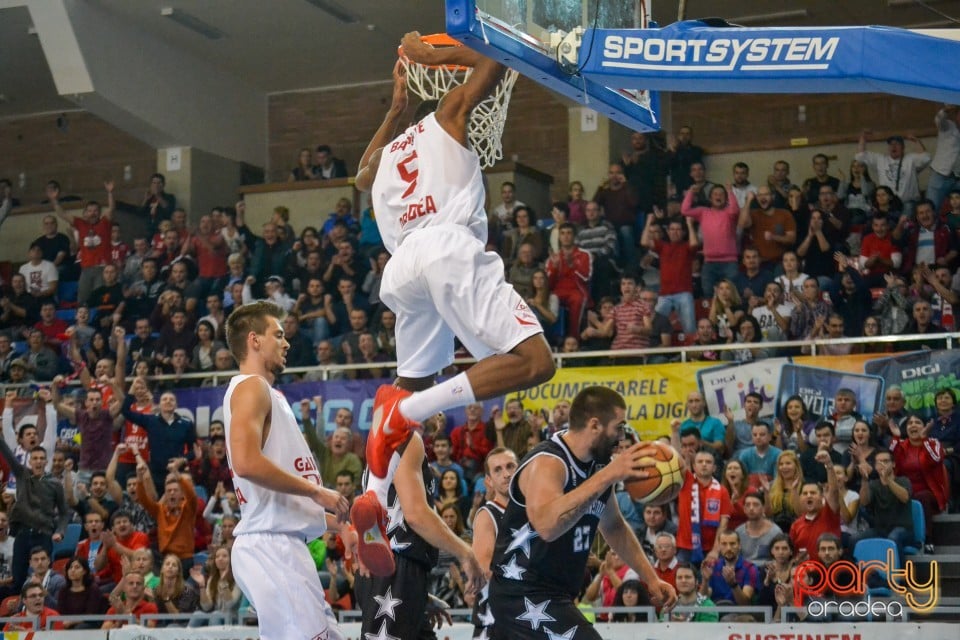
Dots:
{"x": 487, "y": 119}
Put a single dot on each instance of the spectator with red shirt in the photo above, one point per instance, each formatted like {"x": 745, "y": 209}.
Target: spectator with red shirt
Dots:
{"x": 211, "y": 469}
{"x": 612, "y": 573}
{"x": 93, "y": 229}
{"x": 704, "y": 506}
{"x": 32, "y": 596}
{"x": 569, "y": 271}
{"x": 210, "y": 250}
{"x": 878, "y": 254}
{"x": 632, "y": 318}
{"x": 50, "y": 325}
{"x": 119, "y": 542}
{"x": 119, "y": 250}
{"x": 921, "y": 460}
{"x": 676, "y": 270}
{"x": 821, "y": 509}
{"x": 133, "y": 602}
{"x": 470, "y": 443}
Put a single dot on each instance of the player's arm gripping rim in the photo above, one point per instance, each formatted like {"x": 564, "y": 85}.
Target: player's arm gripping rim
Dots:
{"x": 551, "y": 511}
{"x": 250, "y": 407}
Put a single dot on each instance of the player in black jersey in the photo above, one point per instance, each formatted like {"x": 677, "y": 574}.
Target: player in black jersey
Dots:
{"x": 393, "y": 606}
{"x": 560, "y": 496}
{"x": 498, "y": 469}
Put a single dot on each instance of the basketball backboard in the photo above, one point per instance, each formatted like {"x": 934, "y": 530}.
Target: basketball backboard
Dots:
{"x": 542, "y": 39}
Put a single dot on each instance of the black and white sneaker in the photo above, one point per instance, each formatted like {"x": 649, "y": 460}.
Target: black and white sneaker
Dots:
{"x": 928, "y": 548}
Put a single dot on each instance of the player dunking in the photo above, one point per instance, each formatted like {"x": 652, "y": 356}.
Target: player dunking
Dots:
{"x": 282, "y": 499}
{"x": 560, "y": 496}
{"x": 428, "y": 194}
{"x": 498, "y": 470}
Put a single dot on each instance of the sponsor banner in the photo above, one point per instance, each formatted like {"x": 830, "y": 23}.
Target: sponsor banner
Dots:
{"x": 762, "y": 60}
{"x": 853, "y": 363}
{"x": 919, "y": 375}
{"x": 818, "y": 387}
{"x": 203, "y": 404}
{"x": 93, "y": 634}
{"x": 725, "y": 386}
{"x": 655, "y": 394}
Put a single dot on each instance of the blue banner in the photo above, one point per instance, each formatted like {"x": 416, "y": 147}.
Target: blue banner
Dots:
{"x": 204, "y": 404}
{"x": 818, "y": 387}
{"x": 690, "y": 56}
{"x": 919, "y": 375}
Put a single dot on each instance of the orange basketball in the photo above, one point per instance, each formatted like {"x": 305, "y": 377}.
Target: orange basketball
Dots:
{"x": 666, "y": 482}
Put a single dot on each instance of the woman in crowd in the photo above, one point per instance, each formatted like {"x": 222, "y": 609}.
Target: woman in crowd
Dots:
{"x": 598, "y": 334}
{"x": 799, "y": 209}
{"x": 887, "y": 203}
{"x": 207, "y": 347}
{"x": 871, "y": 328}
{"x": 857, "y": 192}
{"x": 523, "y": 231}
{"x": 689, "y": 595}
{"x": 779, "y": 571}
{"x": 80, "y": 596}
{"x": 451, "y": 492}
{"x": 630, "y": 593}
{"x": 726, "y": 311}
{"x": 862, "y": 449}
{"x": 748, "y": 333}
{"x": 792, "y": 277}
{"x": 921, "y": 460}
{"x": 577, "y": 203}
{"x": 304, "y": 169}
{"x": 545, "y": 305}
{"x": 850, "y": 522}
{"x": 783, "y": 498}
{"x": 98, "y": 350}
{"x": 946, "y": 429}
{"x": 309, "y": 241}
{"x": 173, "y": 594}
{"x": 737, "y": 483}
{"x": 218, "y": 590}
{"x": 794, "y": 428}
{"x": 449, "y": 580}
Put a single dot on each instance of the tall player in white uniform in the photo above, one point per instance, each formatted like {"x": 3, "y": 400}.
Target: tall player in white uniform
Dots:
{"x": 441, "y": 282}
{"x": 283, "y": 502}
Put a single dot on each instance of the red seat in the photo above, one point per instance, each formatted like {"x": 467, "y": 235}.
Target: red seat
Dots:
{"x": 60, "y": 566}
{"x": 9, "y": 606}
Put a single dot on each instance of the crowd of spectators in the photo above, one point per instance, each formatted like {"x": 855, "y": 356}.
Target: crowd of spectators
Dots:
{"x": 660, "y": 255}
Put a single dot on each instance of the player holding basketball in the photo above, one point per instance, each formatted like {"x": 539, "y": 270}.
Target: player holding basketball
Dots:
{"x": 498, "y": 469}
{"x": 429, "y": 196}
{"x": 282, "y": 499}
{"x": 560, "y": 496}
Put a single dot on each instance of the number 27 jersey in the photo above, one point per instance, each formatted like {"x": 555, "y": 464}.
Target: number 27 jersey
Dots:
{"x": 521, "y": 559}
{"x": 427, "y": 178}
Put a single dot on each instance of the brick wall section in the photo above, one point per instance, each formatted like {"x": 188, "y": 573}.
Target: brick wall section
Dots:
{"x": 80, "y": 158}
{"x": 346, "y": 118}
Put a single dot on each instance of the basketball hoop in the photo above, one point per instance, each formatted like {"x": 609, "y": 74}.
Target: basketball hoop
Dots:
{"x": 432, "y": 82}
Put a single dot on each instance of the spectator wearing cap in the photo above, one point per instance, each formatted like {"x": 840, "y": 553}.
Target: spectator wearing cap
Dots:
{"x": 19, "y": 372}
{"x": 275, "y": 292}
{"x": 896, "y": 169}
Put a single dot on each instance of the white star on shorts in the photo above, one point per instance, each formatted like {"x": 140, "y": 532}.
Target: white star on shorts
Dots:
{"x": 381, "y": 635}
{"x": 511, "y": 570}
{"x": 395, "y": 517}
{"x": 567, "y": 635}
{"x": 535, "y": 614}
{"x": 486, "y": 619}
{"x": 387, "y": 604}
{"x": 521, "y": 539}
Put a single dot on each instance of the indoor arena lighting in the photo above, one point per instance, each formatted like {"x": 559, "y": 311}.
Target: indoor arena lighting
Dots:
{"x": 335, "y": 10}
{"x": 192, "y": 22}
{"x": 774, "y": 16}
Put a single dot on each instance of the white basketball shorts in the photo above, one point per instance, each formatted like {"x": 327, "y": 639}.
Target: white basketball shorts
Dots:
{"x": 279, "y": 577}
{"x": 442, "y": 283}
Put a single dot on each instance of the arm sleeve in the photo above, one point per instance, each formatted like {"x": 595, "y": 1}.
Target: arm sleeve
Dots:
{"x": 50, "y": 433}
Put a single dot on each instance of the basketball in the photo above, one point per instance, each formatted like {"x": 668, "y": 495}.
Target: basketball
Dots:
{"x": 667, "y": 481}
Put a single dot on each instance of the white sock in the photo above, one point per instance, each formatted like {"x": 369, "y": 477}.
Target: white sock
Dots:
{"x": 455, "y": 392}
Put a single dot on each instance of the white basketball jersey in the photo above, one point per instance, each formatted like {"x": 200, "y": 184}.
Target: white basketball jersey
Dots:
{"x": 427, "y": 178}
{"x": 263, "y": 510}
